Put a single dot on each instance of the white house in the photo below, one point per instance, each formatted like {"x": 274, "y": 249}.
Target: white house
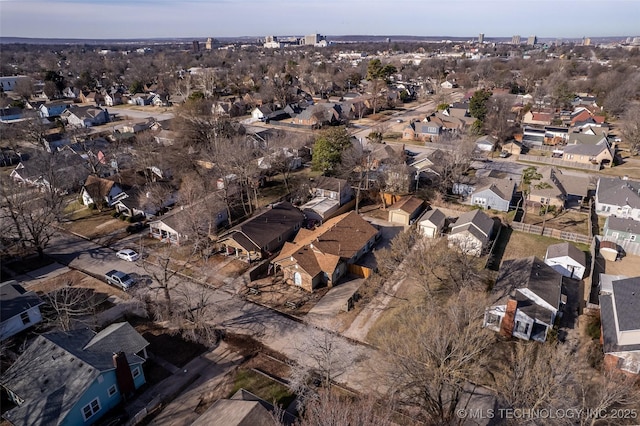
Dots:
{"x": 19, "y": 309}
{"x": 566, "y": 259}
{"x": 431, "y": 223}
{"x": 619, "y": 197}
{"x": 261, "y": 112}
{"x": 528, "y": 296}
{"x": 471, "y": 233}
{"x": 98, "y": 190}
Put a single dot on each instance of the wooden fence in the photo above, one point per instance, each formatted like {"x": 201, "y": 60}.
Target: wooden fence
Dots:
{"x": 629, "y": 247}
{"x": 558, "y": 162}
{"x": 551, "y": 232}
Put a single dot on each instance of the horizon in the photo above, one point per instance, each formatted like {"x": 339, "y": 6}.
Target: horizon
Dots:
{"x": 195, "y": 19}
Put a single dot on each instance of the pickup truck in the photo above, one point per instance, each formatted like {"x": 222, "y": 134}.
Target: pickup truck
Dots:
{"x": 120, "y": 279}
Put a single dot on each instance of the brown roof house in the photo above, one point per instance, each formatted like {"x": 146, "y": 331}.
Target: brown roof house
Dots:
{"x": 101, "y": 192}
{"x": 262, "y": 235}
{"x": 528, "y": 297}
{"x": 406, "y": 211}
{"x": 321, "y": 257}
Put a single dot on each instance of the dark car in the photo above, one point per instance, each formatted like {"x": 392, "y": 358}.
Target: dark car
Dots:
{"x": 136, "y": 227}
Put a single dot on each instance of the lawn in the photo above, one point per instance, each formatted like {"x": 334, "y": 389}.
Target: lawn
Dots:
{"x": 262, "y": 386}
{"x": 516, "y": 245}
{"x": 94, "y": 224}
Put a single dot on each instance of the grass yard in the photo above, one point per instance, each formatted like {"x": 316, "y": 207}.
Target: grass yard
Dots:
{"x": 262, "y": 386}
{"x": 515, "y": 245}
{"x": 94, "y": 224}
{"x": 568, "y": 220}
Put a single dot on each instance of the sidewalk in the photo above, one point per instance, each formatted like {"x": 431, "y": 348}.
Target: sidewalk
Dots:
{"x": 183, "y": 391}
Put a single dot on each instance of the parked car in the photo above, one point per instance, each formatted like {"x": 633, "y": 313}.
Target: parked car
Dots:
{"x": 136, "y": 227}
{"x": 504, "y": 154}
{"x": 128, "y": 255}
{"x": 120, "y": 279}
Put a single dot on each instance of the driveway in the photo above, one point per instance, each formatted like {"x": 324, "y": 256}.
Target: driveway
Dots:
{"x": 323, "y": 314}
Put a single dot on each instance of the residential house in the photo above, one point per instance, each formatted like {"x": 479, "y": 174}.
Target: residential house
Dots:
{"x": 10, "y": 114}
{"x": 147, "y": 201}
{"x": 537, "y": 118}
{"x": 261, "y": 112}
{"x": 86, "y": 116}
{"x": 74, "y": 377}
{"x": 486, "y": 143}
{"x": 619, "y": 197}
{"x": 141, "y": 99}
{"x": 471, "y": 233}
{"x": 99, "y": 191}
{"x": 69, "y": 173}
{"x": 622, "y": 229}
{"x": 533, "y": 136}
{"x": 496, "y": 195}
{"x": 331, "y": 196}
{"x": 559, "y": 189}
{"x": 242, "y": 409}
{"x": 321, "y": 257}
{"x": 528, "y": 297}
{"x": 264, "y": 234}
{"x": 71, "y": 93}
{"x": 566, "y": 259}
{"x": 425, "y": 132}
{"x": 179, "y": 225}
{"x": 53, "y": 109}
{"x": 19, "y": 309}
{"x": 620, "y": 323}
{"x": 111, "y": 99}
{"x": 588, "y": 149}
{"x": 406, "y": 210}
{"x": 319, "y": 115}
{"x": 448, "y": 84}
{"x": 432, "y": 223}
{"x": 138, "y": 126}
{"x": 160, "y": 100}
{"x": 91, "y": 98}
{"x": 555, "y": 135}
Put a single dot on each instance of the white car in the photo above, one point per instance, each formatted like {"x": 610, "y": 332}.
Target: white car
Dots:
{"x": 128, "y": 255}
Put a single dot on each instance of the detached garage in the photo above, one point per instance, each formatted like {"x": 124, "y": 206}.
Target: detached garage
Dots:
{"x": 566, "y": 259}
{"x": 406, "y": 211}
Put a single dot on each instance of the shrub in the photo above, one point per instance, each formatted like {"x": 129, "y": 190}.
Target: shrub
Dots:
{"x": 92, "y": 206}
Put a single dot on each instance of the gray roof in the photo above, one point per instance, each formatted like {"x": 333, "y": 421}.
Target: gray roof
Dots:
{"x": 571, "y": 184}
{"x": 14, "y": 300}
{"x": 618, "y": 192}
{"x": 473, "y": 219}
{"x": 258, "y": 231}
{"x": 607, "y": 319}
{"x": 584, "y": 149}
{"x": 531, "y": 273}
{"x": 329, "y": 183}
{"x": 434, "y": 216}
{"x": 115, "y": 338}
{"x": 620, "y": 224}
{"x": 626, "y": 296}
{"x": 55, "y": 371}
{"x": 567, "y": 249}
{"x": 503, "y": 188}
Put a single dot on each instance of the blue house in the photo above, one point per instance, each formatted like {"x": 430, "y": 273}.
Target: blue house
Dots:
{"x": 75, "y": 377}
{"x": 622, "y": 229}
{"x": 53, "y": 109}
{"x": 496, "y": 195}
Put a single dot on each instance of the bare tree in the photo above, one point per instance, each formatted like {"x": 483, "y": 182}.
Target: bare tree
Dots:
{"x": 631, "y": 129}
{"x": 332, "y": 409}
{"x": 434, "y": 354}
{"x": 166, "y": 275}
{"x": 68, "y": 305}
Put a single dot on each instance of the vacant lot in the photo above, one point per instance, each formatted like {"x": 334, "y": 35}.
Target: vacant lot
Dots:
{"x": 568, "y": 220}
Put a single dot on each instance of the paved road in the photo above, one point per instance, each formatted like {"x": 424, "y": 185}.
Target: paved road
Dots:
{"x": 274, "y": 330}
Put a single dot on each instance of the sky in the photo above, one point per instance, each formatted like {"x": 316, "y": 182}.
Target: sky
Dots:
{"x": 126, "y": 19}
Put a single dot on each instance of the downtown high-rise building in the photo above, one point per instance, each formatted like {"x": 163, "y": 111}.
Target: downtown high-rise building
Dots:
{"x": 532, "y": 40}
{"x": 480, "y": 38}
{"x": 515, "y": 39}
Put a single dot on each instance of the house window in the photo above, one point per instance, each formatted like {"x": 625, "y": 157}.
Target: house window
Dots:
{"x": 614, "y": 234}
{"x": 25, "y": 318}
{"x": 632, "y": 238}
{"x": 135, "y": 372}
{"x": 112, "y": 391}
{"x": 522, "y": 328}
{"x": 91, "y": 409}
{"x": 493, "y": 319}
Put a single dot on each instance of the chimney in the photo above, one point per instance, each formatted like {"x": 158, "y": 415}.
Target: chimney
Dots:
{"x": 508, "y": 322}
{"x": 123, "y": 374}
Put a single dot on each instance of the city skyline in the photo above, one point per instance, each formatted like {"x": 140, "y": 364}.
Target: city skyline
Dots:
{"x": 121, "y": 19}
